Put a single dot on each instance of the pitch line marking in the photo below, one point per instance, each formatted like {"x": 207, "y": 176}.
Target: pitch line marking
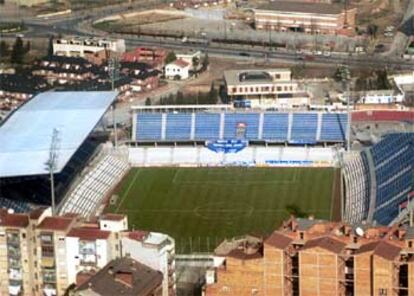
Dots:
{"x": 128, "y": 189}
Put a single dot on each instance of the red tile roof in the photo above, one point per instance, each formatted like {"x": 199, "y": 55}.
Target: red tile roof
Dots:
{"x": 113, "y": 217}
{"x": 278, "y": 240}
{"x": 387, "y": 250}
{"x": 36, "y": 213}
{"x": 55, "y": 223}
{"x": 89, "y": 233}
{"x": 326, "y": 242}
{"x": 138, "y": 235}
{"x": 181, "y": 63}
{"x": 14, "y": 220}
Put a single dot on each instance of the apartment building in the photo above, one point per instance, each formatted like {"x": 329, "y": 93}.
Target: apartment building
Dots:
{"x": 80, "y": 46}
{"x": 152, "y": 56}
{"x": 265, "y": 88}
{"x": 45, "y": 254}
{"x": 306, "y": 17}
{"x": 155, "y": 250}
{"x": 315, "y": 257}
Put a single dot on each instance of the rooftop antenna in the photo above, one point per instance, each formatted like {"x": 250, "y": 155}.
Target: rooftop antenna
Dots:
{"x": 113, "y": 69}
{"x": 51, "y": 165}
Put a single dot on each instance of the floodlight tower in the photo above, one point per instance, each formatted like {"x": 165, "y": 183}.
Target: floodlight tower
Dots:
{"x": 113, "y": 69}
{"x": 346, "y": 77}
{"x": 51, "y": 165}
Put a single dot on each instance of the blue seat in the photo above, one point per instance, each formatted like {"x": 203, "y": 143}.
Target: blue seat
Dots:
{"x": 304, "y": 127}
{"x": 149, "y": 126}
{"x": 275, "y": 126}
{"x": 333, "y": 127}
{"x": 207, "y": 126}
{"x": 178, "y": 126}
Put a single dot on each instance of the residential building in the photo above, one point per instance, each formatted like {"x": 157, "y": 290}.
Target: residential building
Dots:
{"x": 13, "y": 92}
{"x": 152, "y": 56}
{"x": 123, "y": 276}
{"x": 189, "y": 57}
{"x": 178, "y": 70}
{"x": 79, "y": 46}
{"x": 315, "y": 18}
{"x": 64, "y": 70}
{"x": 155, "y": 250}
{"x": 316, "y": 257}
{"x": 265, "y": 88}
{"x": 45, "y": 254}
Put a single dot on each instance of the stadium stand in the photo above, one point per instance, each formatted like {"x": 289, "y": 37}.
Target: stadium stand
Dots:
{"x": 149, "y": 126}
{"x": 94, "y": 187}
{"x": 275, "y": 126}
{"x": 207, "y": 126}
{"x": 386, "y": 170}
{"x": 18, "y": 206}
{"x": 304, "y": 127}
{"x": 245, "y": 125}
{"x": 178, "y": 126}
{"x": 296, "y": 128}
{"x": 333, "y": 127}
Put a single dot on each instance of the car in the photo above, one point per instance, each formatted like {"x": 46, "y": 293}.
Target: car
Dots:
{"x": 327, "y": 53}
{"x": 244, "y": 54}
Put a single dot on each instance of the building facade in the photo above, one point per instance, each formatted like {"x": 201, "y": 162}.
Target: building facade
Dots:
{"x": 79, "y": 47}
{"x": 265, "y": 88}
{"x": 306, "y": 17}
{"x": 315, "y": 257}
{"x": 45, "y": 254}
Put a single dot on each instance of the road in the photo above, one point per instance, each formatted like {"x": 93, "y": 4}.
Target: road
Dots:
{"x": 75, "y": 24}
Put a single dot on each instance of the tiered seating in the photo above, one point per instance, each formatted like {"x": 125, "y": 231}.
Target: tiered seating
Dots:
{"x": 207, "y": 126}
{"x": 235, "y": 122}
{"x": 178, "y": 126}
{"x": 392, "y": 165}
{"x": 88, "y": 195}
{"x": 394, "y": 158}
{"x": 17, "y": 205}
{"x": 304, "y": 127}
{"x": 333, "y": 127}
{"x": 275, "y": 126}
{"x": 149, "y": 126}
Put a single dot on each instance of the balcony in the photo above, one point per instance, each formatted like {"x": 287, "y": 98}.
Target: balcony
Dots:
{"x": 48, "y": 262}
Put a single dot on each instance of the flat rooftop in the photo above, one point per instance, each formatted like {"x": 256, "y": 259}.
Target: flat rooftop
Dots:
{"x": 302, "y": 7}
{"x": 26, "y": 135}
{"x": 252, "y": 76}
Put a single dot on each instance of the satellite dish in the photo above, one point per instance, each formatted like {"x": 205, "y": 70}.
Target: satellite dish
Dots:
{"x": 359, "y": 231}
{"x": 10, "y": 211}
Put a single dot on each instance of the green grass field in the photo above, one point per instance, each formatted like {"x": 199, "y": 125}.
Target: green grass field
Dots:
{"x": 200, "y": 207}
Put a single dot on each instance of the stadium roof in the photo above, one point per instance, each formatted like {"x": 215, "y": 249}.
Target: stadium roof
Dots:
{"x": 25, "y": 137}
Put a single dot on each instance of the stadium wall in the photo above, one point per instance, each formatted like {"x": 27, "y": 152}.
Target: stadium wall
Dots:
{"x": 249, "y": 156}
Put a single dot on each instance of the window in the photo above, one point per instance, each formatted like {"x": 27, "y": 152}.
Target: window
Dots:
{"x": 410, "y": 244}
{"x": 23, "y": 235}
{"x": 382, "y": 292}
{"x": 277, "y": 76}
{"x": 279, "y": 88}
{"x": 301, "y": 235}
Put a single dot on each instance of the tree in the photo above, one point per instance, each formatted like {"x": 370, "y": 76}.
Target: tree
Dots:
{"x": 27, "y": 47}
{"x": 18, "y": 51}
{"x": 4, "y": 49}
{"x": 50, "y": 47}
{"x": 171, "y": 57}
{"x": 372, "y": 30}
{"x": 148, "y": 102}
{"x": 196, "y": 62}
{"x": 295, "y": 210}
{"x": 205, "y": 62}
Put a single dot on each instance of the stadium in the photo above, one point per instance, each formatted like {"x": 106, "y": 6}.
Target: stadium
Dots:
{"x": 205, "y": 173}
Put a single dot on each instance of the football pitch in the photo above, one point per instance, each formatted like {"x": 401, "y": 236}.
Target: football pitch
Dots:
{"x": 199, "y": 207}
